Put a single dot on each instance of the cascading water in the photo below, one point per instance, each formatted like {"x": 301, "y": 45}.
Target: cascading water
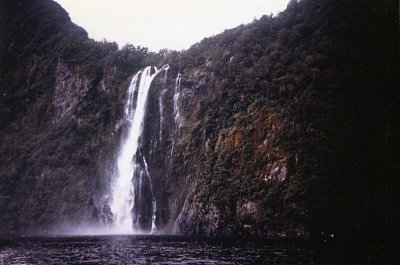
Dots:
{"x": 132, "y": 186}
{"x": 177, "y": 115}
{"x": 153, "y": 201}
{"x": 161, "y": 101}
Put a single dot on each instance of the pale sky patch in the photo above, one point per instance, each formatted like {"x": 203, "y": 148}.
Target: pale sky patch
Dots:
{"x": 172, "y": 24}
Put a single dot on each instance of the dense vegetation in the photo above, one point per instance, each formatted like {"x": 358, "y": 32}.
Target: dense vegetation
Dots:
{"x": 54, "y": 143}
{"x": 316, "y": 84}
{"x": 290, "y": 124}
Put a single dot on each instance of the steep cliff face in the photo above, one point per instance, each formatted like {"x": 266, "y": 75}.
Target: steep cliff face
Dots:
{"x": 285, "y": 128}
{"x": 289, "y": 117}
{"x": 60, "y": 101}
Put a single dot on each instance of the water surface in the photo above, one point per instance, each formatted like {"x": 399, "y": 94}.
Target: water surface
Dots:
{"x": 126, "y": 249}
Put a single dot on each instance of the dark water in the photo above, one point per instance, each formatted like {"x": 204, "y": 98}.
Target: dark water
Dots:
{"x": 184, "y": 250}
{"x": 149, "y": 250}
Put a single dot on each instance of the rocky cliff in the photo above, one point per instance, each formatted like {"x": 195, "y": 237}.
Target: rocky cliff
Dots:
{"x": 291, "y": 117}
{"x": 60, "y": 100}
{"x": 287, "y": 125}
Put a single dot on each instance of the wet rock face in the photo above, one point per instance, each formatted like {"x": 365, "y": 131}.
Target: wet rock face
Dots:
{"x": 59, "y": 107}
{"x": 268, "y": 121}
{"x": 197, "y": 219}
{"x": 258, "y": 145}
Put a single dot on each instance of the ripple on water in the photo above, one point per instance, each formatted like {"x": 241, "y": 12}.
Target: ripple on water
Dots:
{"x": 147, "y": 250}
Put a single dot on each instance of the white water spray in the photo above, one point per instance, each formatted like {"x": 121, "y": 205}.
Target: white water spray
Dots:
{"x": 123, "y": 192}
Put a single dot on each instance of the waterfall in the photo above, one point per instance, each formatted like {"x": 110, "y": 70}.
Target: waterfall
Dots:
{"x": 153, "y": 201}
{"x": 132, "y": 178}
{"x": 177, "y": 115}
{"x": 161, "y": 101}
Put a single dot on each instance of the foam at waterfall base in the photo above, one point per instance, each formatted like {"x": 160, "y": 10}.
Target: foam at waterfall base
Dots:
{"x": 98, "y": 230}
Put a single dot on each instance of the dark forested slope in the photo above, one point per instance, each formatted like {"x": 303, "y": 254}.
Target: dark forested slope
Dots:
{"x": 289, "y": 123}
{"x": 60, "y": 96}
{"x": 295, "y": 120}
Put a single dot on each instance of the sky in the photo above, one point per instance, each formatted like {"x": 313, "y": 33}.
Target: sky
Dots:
{"x": 158, "y": 24}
